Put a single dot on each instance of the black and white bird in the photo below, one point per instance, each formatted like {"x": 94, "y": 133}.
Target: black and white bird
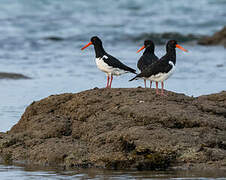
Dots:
{"x": 147, "y": 58}
{"x": 107, "y": 63}
{"x": 162, "y": 69}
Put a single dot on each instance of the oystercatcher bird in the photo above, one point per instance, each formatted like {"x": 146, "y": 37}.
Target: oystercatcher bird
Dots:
{"x": 147, "y": 58}
{"x": 162, "y": 69}
{"x": 107, "y": 63}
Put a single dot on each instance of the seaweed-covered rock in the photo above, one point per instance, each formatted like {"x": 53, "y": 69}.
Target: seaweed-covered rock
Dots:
{"x": 219, "y": 38}
{"x": 120, "y": 129}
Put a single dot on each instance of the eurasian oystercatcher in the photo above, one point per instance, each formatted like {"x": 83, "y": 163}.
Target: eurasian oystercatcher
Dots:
{"x": 147, "y": 58}
{"x": 163, "y": 68}
{"x": 107, "y": 63}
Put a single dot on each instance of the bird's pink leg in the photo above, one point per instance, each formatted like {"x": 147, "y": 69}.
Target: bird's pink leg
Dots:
{"x": 107, "y": 81}
{"x": 111, "y": 81}
{"x": 150, "y": 83}
{"x": 162, "y": 90}
{"x": 157, "y": 89}
{"x": 145, "y": 83}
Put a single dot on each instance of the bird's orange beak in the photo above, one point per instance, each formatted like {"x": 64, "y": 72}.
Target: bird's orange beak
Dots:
{"x": 141, "y": 49}
{"x": 180, "y": 47}
{"x": 86, "y": 45}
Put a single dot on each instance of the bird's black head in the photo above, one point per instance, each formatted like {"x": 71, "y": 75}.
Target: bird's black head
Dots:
{"x": 96, "y": 40}
{"x": 149, "y": 47}
{"x": 148, "y": 43}
{"x": 172, "y": 44}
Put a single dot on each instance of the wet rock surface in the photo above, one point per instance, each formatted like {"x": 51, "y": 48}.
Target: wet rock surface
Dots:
{"x": 4, "y": 75}
{"x": 219, "y": 38}
{"x": 120, "y": 129}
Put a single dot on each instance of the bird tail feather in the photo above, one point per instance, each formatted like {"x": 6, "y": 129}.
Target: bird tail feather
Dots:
{"x": 133, "y": 71}
{"x": 133, "y": 78}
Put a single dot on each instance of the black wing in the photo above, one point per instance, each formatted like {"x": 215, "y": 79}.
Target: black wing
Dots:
{"x": 155, "y": 68}
{"x": 115, "y": 63}
{"x": 146, "y": 60}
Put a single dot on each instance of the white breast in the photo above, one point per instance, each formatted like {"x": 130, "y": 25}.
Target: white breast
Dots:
{"x": 163, "y": 76}
{"x": 108, "y": 69}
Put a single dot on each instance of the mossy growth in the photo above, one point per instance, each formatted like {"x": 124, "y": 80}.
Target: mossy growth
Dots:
{"x": 154, "y": 161}
{"x": 7, "y": 158}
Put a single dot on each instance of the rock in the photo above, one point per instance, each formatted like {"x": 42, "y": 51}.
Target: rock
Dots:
{"x": 120, "y": 129}
{"x": 4, "y": 75}
{"x": 219, "y": 38}
{"x": 162, "y": 38}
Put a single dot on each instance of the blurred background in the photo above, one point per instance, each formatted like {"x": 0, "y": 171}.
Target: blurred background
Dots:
{"x": 41, "y": 39}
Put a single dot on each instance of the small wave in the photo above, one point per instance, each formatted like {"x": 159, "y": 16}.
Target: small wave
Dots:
{"x": 69, "y": 38}
{"x": 53, "y": 38}
{"x": 161, "y": 38}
